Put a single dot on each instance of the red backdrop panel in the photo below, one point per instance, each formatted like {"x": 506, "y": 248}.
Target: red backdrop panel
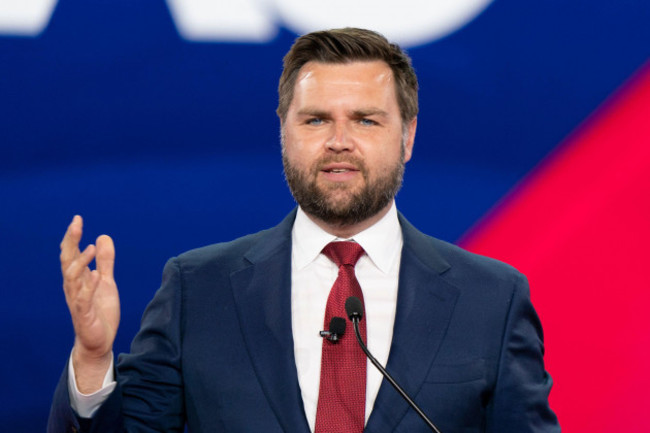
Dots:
{"x": 579, "y": 228}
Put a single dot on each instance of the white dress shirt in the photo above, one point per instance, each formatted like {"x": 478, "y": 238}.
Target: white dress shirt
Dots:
{"x": 312, "y": 277}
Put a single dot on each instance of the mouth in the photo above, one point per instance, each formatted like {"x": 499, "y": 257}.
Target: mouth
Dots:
{"x": 337, "y": 168}
{"x": 340, "y": 173}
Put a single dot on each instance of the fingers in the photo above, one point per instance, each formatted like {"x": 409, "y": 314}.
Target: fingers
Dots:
{"x": 87, "y": 290}
{"x": 91, "y": 295}
{"x": 70, "y": 243}
{"x": 75, "y": 273}
{"x": 105, "y": 257}
{"x": 79, "y": 282}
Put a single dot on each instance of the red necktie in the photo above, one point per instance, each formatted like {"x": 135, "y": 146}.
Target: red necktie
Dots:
{"x": 342, "y": 393}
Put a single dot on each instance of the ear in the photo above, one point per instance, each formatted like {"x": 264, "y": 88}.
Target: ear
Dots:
{"x": 410, "y": 139}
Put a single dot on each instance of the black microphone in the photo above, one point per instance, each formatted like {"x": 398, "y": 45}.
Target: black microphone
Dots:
{"x": 336, "y": 331}
{"x": 354, "y": 309}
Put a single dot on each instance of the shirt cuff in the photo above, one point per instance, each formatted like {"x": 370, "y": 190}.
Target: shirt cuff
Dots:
{"x": 87, "y": 404}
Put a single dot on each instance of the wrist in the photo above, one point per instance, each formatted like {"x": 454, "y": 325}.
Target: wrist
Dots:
{"x": 90, "y": 369}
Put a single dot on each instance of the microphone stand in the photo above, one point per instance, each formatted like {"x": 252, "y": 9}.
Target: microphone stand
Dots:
{"x": 355, "y": 322}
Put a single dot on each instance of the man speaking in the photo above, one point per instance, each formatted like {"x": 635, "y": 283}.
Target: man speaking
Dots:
{"x": 251, "y": 336}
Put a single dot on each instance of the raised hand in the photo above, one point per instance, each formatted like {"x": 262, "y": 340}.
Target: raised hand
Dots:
{"x": 94, "y": 304}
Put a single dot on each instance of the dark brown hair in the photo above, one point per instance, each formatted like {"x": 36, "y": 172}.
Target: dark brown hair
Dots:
{"x": 344, "y": 46}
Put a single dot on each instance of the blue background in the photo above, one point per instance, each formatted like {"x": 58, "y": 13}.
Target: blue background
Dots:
{"x": 168, "y": 145}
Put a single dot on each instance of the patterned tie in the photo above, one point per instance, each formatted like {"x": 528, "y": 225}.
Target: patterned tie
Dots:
{"x": 342, "y": 393}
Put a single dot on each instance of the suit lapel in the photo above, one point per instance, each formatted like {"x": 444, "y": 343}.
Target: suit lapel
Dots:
{"x": 262, "y": 293}
{"x": 425, "y": 303}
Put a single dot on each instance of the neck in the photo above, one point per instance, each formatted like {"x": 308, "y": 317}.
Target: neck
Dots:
{"x": 346, "y": 231}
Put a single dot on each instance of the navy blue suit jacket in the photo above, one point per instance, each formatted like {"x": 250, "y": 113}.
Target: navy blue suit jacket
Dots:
{"x": 215, "y": 349}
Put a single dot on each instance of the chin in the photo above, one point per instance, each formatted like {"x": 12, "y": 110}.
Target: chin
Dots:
{"x": 342, "y": 203}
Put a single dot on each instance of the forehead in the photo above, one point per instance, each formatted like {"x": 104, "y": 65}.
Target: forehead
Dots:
{"x": 326, "y": 82}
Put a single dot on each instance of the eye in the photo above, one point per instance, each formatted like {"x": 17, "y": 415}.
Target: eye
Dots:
{"x": 367, "y": 122}
{"x": 314, "y": 121}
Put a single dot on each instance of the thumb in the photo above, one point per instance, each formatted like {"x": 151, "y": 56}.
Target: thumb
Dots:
{"x": 105, "y": 256}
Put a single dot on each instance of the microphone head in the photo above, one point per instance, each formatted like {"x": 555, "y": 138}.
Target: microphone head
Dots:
{"x": 354, "y": 308}
{"x": 337, "y": 326}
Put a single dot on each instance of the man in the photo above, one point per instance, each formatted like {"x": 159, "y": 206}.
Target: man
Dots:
{"x": 230, "y": 341}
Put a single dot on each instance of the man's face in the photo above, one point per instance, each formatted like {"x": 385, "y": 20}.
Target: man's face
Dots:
{"x": 343, "y": 142}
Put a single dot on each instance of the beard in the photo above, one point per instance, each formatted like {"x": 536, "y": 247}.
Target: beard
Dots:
{"x": 335, "y": 203}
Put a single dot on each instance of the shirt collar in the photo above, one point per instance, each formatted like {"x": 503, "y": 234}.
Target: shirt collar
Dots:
{"x": 382, "y": 241}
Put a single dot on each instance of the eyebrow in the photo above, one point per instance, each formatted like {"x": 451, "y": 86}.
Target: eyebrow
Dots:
{"x": 313, "y": 112}
{"x": 369, "y": 112}
{"x": 355, "y": 113}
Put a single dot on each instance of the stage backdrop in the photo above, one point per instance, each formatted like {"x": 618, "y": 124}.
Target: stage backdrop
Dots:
{"x": 155, "y": 121}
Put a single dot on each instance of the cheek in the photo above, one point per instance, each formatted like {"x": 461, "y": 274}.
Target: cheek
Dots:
{"x": 306, "y": 137}
{"x": 303, "y": 150}
{"x": 293, "y": 148}
{"x": 300, "y": 157}
{"x": 383, "y": 161}
{"x": 301, "y": 160}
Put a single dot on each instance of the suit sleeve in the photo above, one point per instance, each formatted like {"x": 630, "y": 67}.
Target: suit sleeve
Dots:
{"x": 149, "y": 392}
{"x": 520, "y": 401}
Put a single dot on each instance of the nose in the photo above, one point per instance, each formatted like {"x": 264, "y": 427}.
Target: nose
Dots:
{"x": 340, "y": 139}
